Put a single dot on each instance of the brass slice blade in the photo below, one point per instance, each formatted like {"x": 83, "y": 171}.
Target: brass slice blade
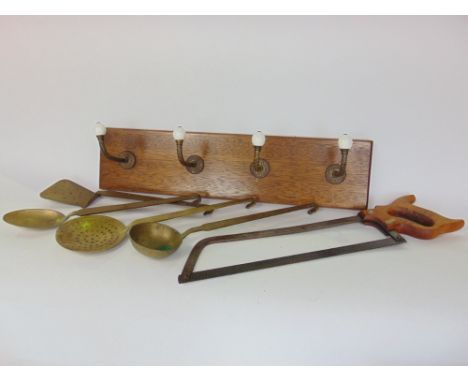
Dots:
{"x": 68, "y": 192}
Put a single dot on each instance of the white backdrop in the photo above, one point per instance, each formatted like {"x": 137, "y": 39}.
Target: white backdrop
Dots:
{"x": 400, "y": 81}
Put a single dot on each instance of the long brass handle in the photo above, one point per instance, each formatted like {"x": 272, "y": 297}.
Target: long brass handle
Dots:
{"x": 129, "y": 206}
{"x": 126, "y": 195}
{"x": 243, "y": 219}
{"x": 191, "y": 211}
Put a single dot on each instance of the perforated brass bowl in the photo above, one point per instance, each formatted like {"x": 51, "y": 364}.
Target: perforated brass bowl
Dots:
{"x": 91, "y": 233}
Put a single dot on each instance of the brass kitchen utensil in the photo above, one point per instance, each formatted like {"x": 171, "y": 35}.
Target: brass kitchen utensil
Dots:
{"x": 68, "y": 192}
{"x": 99, "y": 233}
{"x": 399, "y": 217}
{"x": 46, "y": 218}
{"x": 160, "y": 240}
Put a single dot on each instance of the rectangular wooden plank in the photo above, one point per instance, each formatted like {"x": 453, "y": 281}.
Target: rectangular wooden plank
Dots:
{"x": 297, "y": 164}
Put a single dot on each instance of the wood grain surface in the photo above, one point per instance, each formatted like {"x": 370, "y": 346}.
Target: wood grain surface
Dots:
{"x": 297, "y": 164}
{"x": 406, "y": 218}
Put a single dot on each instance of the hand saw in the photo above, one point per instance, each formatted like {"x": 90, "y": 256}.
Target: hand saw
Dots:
{"x": 401, "y": 216}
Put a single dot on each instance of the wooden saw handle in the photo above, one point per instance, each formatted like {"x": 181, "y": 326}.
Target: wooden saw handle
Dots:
{"x": 404, "y": 217}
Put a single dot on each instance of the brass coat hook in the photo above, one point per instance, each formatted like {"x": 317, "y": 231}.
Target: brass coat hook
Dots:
{"x": 126, "y": 159}
{"x": 194, "y": 163}
{"x": 259, "y": 167}
{"x": 336, "y": 173}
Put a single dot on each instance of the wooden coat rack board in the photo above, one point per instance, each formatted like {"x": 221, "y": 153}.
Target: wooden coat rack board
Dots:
{"x": 297, "y": 164}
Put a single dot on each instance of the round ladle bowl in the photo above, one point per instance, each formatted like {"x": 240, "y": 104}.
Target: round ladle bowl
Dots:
{"x": 155, "y": 240}
{"x": 98, "y": 233}
{"x": 160, "y": 240}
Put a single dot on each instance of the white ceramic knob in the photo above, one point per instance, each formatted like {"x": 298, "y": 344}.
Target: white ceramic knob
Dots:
{"x": 179, "y": 133}
{"x": 100, "y": 129}
{"x": 345, "y": 142}
{"x": 258, "y": 139}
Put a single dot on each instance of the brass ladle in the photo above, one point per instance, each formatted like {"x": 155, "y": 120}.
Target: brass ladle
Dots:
{"x": 99, "y": 233}
{"x": 46, "y": 218}
{"x": 160, "y": 240}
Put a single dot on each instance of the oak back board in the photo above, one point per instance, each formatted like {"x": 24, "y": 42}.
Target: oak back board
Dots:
{"x": 297, "y": 164}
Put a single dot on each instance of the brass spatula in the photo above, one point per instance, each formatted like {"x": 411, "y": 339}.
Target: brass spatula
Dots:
{"x": 68, "y": 192}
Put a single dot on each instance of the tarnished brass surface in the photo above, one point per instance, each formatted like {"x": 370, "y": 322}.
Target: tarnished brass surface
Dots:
{"x": 35, "y": 218}
{"x": 102, "y": 232}
{"x": 91, "y": 233}
{"x": 41, "y": 218}
{"x": 68, "y": 192}
{"x": 126, "y": 159}
{"x": 159, "y": 240}
{"x": 194, "y": 163}
{"x": 336, "y": 173}
{"x": 155, "y": 240}
{"x": 191, "y": 211}
{"x": 259, "y": 167}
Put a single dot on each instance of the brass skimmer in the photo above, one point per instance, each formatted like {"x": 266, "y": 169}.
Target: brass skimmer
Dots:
{"x": 99, "y": 233}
